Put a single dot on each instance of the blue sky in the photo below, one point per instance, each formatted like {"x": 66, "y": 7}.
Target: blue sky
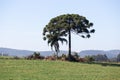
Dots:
{"x": 22, "y": 22}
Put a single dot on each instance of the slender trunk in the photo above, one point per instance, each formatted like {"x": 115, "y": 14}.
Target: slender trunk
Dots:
{"x": 69, "y": 38}
{"x": 57, "y": 55}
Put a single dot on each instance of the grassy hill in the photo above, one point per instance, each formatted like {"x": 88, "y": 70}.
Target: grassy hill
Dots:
{"x": 55, "y": 70}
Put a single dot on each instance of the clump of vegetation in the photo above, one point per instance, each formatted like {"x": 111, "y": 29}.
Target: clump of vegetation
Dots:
{"x": 74, "y": 57}
{"x": 6, "y": 57}
{"x": 16, "y": 57}
{"x": 35, "y": 55}
{"x": 100, "y": 57}
{"x": 63, "y": 57}
{"x": 89, "y": 58}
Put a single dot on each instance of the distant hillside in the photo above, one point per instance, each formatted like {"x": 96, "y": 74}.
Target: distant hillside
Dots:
{"x": 22, "y": 53}
{"x": 110, "y": 53}
{"x": 15, "y": 52}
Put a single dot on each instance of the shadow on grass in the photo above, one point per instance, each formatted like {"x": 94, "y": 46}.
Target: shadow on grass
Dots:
{"x": 105, "y": 64}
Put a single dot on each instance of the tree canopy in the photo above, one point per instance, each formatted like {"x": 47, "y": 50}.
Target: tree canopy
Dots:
{"x": 73, "y": 22}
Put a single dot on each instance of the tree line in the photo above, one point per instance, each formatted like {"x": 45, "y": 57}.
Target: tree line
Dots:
{"x": 77, "y": 58}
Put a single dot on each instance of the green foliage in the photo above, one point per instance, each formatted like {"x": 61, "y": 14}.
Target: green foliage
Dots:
{"x": 75, "y": 54}
{"x": 64, "y": 56}
{"x": 74, "y": 57}
{"x": 89, "y": 58}
{"x": 35, "y": 55}
{"x": 53, "y": 40}
{"x": 73, "y": 22}
{"x": 55, "y": 70}
{"x": 6, "y": 57}
{"x": 100, "y": 57}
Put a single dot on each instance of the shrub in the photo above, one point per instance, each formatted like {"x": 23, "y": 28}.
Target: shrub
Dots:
{"x": 82, "y": 60}
{"x": 63, "y": 57}
{"x": 16, "y": 57}
{"x": 74, "y": 57}
{"x": 89, "y": 58}
{"x": 75, "y": 54}
{"x": 35, "y": 55}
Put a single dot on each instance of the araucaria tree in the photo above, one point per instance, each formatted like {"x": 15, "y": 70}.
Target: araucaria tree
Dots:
{"x": 67, "y": 23}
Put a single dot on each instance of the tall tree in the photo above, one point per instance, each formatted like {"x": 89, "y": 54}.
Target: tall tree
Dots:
{"x": 67, "y": 23}
{"x": 53, "y": 40}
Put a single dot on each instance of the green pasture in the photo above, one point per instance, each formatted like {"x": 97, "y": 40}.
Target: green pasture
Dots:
{"x": 56, "y": 70}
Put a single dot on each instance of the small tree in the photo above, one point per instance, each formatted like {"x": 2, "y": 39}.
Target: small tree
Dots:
{"x": 89, "y": 58}
{"x": 36, "y": 55}
{"x": 53, "y": 40}
{"x": 75, "y": 55}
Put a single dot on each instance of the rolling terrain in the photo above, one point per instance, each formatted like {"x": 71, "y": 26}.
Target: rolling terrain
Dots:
{"x": 22, "y": 53}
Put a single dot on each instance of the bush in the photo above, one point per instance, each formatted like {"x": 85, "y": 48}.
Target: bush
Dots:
{"x": 74, "y": 57}
{"x": 75, "y": 54}
{"x": 35, "y": 55}
{"x": 82, "y": 60}
{"x": 63, "y": 57}
{"x": 16, "y": 57}
{"x": 89, "y": 58}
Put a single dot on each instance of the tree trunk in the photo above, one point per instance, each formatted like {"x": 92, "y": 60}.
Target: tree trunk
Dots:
{"x": 57, "y": 55}
{"x": 69, "y": 38}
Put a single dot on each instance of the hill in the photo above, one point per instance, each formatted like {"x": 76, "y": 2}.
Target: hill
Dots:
{"x": 15, "y": 52}
{"x": 110, "y": 53}
{"x": 21, "y": 53}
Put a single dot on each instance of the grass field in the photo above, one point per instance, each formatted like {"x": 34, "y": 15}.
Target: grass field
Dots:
{"x": 55, "y": 70}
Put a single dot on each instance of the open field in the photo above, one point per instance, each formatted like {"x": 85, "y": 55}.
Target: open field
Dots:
{"x": 55, "y": 70}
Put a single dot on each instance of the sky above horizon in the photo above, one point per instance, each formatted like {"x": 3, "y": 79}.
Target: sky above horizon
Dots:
{"x": 22, "y": 23}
